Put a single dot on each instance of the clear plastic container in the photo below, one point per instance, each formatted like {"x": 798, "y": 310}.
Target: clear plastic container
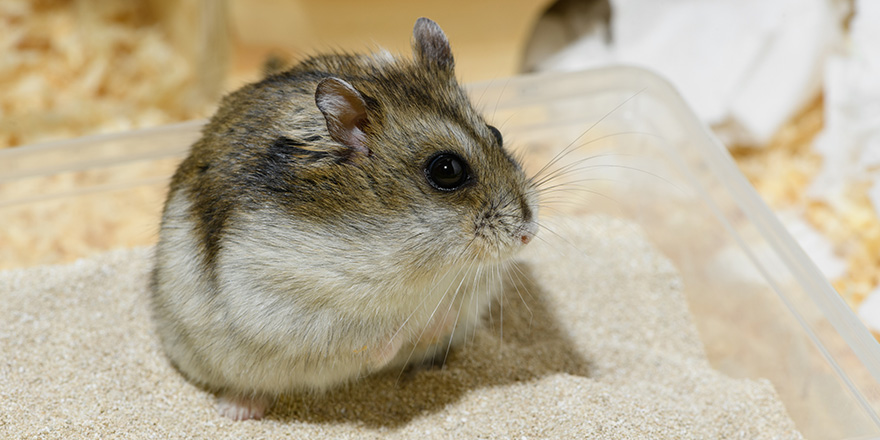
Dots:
{"x": 762, "y": 307}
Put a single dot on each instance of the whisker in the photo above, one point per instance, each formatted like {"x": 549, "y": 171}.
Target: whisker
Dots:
{"x": 497, "y": 101}
{"x": 452, "y": 303}
{"x": 547, "y": 228}
{"x": 457, "y": 316}
{"x": 564, "y": 150}
{"x": 558, "y": 157}
{"x": 473, "y": 309}
{"x": 501, "y": 325}
{"x": 565, "y": 242}
{"x": 482, "y": 94}
{"x": 433, "y": 312}
{"x": 520, "y": 276}
{"x": 575, "y": 202}
{"x": 567, "y": 169}
{"x": 655, "y": 175}
{"x": 563, "y": 185}
{"x": 418, "y": 306}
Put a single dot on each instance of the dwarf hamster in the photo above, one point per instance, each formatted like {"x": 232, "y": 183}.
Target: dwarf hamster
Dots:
{"x": 348, "y": 215}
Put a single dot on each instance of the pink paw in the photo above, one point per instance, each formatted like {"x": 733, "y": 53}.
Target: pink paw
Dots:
{"x": 383, "y": 354}
{"x": 243, "y": 408}
{"x": 438, "y": 330}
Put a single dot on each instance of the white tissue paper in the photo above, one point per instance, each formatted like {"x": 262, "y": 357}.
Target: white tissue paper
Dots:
{"x": 745, "y": 66}
{"x": 787, "y": 73}
{"x": 814, "y": 244}
{"x": 731, "y": 263}
{"x": 869, "y": 311}
{"x": 850, "y": 140}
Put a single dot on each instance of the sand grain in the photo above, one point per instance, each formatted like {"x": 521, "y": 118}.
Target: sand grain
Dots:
{"x": 597, "y": 342}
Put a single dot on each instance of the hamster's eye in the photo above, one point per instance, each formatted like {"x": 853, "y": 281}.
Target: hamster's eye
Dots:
{"x": 446, "y": 172}
{"x": 497, "y": 135}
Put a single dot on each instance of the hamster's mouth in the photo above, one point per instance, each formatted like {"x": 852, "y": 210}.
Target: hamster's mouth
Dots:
{"x": 493, "y": 246}
{"x": 504, "y": 226}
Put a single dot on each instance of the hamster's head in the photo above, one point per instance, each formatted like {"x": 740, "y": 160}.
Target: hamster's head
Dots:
{"x": 430, "y": 163}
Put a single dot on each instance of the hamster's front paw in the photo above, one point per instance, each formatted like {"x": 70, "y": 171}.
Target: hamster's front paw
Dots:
{"x": 438, "y": 331}
{"x": 384, "y": 353}
{"x": 243, "y": 408}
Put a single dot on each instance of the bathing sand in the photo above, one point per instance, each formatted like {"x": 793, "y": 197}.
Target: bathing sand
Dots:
{"x": 592, "y": 339}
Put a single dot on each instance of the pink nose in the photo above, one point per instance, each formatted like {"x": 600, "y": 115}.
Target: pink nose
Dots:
{"x": 527, "y": 232}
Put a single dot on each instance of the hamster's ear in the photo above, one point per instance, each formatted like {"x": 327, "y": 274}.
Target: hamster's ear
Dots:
{"x": 430, "y": 45}
{"x": 345, "y": 112}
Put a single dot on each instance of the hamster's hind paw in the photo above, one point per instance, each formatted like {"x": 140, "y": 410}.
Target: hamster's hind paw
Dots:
{"x": 240, "y": 408}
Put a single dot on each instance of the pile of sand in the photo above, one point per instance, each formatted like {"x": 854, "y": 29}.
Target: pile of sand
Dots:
{"x": 592, "y": 340}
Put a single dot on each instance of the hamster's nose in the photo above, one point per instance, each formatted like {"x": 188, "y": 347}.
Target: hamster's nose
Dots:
{"x": 527, "y": 232}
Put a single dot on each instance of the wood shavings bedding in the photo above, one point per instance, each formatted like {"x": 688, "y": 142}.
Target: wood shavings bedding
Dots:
{"x": 76, "y": 67}
{"x": 782, "y": 172}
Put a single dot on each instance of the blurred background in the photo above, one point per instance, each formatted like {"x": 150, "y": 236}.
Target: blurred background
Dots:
{"x": 791, "y": 87}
